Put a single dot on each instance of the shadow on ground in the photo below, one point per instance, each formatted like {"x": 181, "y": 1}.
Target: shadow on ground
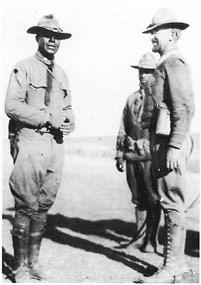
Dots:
{"x": 114, "y": 230}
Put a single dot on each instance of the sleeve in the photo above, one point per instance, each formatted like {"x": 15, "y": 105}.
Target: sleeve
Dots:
{"x": 121, "y": 134}
{"x": 182, "y": 101}
{"x": 68, "y": 100}
{"x": 16, "y": 106}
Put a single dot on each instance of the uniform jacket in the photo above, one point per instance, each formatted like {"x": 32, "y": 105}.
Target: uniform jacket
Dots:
{"x": 173, "y": 86}
{"x": 26, "y": 92}
{"x": 130, "y": 124}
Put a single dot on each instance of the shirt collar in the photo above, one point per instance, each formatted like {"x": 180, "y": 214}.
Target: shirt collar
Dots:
{"x": 44, "y": 59}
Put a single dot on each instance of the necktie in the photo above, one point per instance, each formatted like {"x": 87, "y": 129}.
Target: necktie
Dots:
{"x": 49, "y": 84}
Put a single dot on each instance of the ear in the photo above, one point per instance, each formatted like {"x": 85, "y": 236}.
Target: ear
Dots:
{"x": 172, "y": 35}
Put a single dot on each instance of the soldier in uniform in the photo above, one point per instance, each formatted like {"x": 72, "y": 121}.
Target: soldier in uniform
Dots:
{"x": 38, "y": 101}
{"x": 133, "y": 148}
{"x": 170, "y": 149}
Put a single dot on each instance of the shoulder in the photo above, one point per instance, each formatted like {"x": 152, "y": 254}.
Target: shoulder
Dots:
{"x": 176, "y": 61}
{"x": 26, "y": 61}
{"x": 133, "y": 96}
{"x": 25, "y": 64}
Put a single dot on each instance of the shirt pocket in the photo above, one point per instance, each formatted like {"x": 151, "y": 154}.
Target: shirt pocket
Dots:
{"x": 36, "y": 92}
{"x": 65, "y": 95}
{"x": 64, "y": 89}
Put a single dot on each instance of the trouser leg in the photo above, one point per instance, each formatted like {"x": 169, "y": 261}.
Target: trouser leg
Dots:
{"x": 141, "y": 216}
{"x": 20, "y": 234}
{"x": 152, "y": 228}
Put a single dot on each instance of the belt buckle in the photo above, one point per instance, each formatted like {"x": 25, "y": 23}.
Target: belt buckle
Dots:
{"x": 43, "y": 130}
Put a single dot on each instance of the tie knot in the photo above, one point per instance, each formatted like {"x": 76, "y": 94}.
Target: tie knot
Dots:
{"x": 50, "y": 65}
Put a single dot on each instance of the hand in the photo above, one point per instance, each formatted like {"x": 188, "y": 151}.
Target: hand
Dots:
{"x": 67, "y": 128}
{"x": 172, "y": 161}
{"x": 55, "y": 120}
{"x": 120, "y": 164}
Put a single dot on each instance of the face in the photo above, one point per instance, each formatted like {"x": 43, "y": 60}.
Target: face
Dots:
{"x": 48, "y": 45}
{"x": 161, "y": 39}
{"x": 145, "y": 76}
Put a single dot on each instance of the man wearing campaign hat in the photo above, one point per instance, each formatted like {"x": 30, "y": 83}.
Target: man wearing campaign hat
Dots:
{"x": 38, "y": 103}
{"x": 170, "y": 151}
{"x": 133, "y": 148}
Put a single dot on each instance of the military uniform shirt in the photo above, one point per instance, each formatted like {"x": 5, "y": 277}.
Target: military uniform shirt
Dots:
{"x": 173, "y": 86}
{"x": 25, "y": 100}
{"x": 130, "y": 124}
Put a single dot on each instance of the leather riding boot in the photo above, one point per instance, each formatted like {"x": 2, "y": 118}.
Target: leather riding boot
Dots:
{"x": 37, "y": 228}
{"x": 20, "y": 235}
{"x": 171, "y": 271}
{"x": 153, "y": 221}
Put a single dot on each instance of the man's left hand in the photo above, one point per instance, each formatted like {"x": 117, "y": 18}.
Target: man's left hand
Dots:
{"x": 67, "y": 128}
{"x": 173, "y": 159}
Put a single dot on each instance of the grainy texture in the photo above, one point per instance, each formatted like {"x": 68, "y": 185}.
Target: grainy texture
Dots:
{"x": 91, "y": 216}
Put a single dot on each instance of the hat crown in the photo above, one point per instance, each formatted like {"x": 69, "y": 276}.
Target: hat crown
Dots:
{"x": 49, "y": 25}
{"x": 147, "y": 61}
{"x": 49, "y": 21}
{"x": 163, "y": 16}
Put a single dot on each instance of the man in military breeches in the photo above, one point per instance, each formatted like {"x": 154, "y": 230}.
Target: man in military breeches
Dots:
{"x": 37, "y": 173}
{"x": 133, "y": 150}
{"x": 171, "y": 185}
{"x": 38, "y": 102}
{"x": 170, "y": 150}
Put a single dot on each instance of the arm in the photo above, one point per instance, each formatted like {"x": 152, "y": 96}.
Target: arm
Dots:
{"x": 182, "y": 109}
{"x": 16, "y": 106}
{"x": 120, "y": 142}
{"x": 182, "y": 101}
{"x": 68, "y": 125}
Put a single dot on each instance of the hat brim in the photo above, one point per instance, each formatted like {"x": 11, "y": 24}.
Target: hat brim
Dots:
{"x": 142, "y": 67}
{"x": 40, "y": 30}
{"x": 176, "y": 25}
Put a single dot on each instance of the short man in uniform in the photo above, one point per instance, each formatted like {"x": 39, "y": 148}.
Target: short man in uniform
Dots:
{"x": 133, "y": 148}
{"x": 38, "y": 102}
{"x": 170, "y": 150}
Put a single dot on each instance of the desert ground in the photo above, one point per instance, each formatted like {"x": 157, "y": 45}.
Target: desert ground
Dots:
{"x": 92, "y": 215}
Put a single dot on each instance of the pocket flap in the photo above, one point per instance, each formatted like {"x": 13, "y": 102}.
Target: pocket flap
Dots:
{"x": 38, "y": 82}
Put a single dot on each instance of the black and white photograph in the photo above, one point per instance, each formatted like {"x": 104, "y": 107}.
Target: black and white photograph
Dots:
{"x": 100, "y": 141}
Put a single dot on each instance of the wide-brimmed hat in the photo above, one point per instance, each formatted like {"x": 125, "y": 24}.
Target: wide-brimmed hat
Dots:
{"x": 49, "y": 25}
{"x": 165, "y": 18}
{"x": 147, "y": 61}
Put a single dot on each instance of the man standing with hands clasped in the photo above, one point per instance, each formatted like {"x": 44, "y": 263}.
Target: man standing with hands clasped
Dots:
{"x": 170, "y": 149}
{"x": 38, "y": 102}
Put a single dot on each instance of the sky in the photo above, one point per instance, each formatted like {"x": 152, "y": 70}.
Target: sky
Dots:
{"x": 106, "y": 39}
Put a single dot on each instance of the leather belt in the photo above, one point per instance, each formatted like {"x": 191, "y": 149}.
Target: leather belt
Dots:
{"x": 43, "y": 130}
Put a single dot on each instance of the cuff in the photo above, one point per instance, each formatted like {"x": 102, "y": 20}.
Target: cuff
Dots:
{"x": 119, "y": 154}
{"x": 177, "y": 139}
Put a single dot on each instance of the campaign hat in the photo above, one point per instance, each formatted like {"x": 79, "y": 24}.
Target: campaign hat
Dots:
{"x": 147, "y": 61}
{"x": 48, "y": 25}
{"x": 165, "y": 18}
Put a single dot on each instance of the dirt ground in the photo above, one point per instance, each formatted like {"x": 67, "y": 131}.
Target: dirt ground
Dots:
{"x": 92, "y": 215}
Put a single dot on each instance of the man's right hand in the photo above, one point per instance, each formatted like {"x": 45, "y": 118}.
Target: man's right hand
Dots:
{"x": 120, "y": 164}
